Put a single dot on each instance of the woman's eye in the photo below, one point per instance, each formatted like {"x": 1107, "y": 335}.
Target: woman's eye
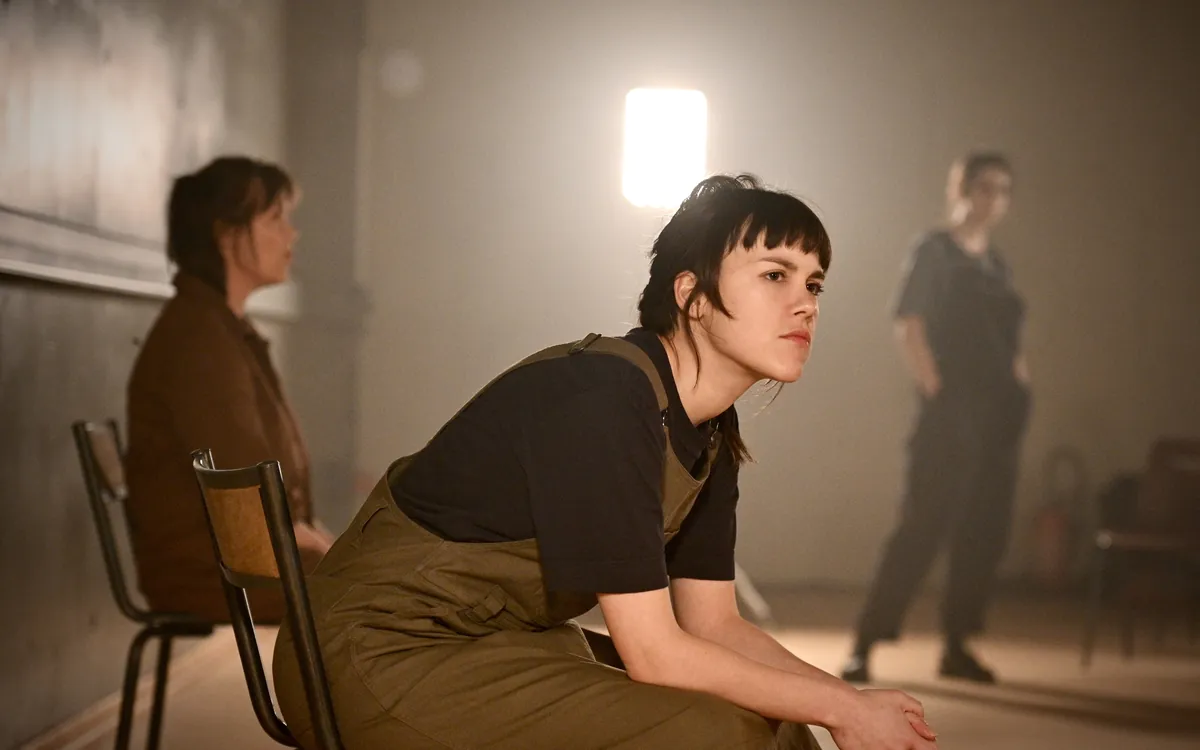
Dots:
{"x": 774, "y": 275}
{"x": 816, "y": 288}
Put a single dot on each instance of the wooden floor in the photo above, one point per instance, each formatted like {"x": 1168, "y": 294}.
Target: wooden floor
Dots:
{"x": 1045, "y": 700}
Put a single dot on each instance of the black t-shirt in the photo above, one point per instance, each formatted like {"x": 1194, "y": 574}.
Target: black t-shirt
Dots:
{"x": 972, "y": 312}
{"x": 570, "y": 451}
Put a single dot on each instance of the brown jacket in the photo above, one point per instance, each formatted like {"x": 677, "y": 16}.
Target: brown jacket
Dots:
{"x": 203, "y": 379}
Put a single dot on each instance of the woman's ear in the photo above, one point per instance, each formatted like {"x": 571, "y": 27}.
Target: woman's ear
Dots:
{"x": 225, "y": 238}
{"x": 235, "y": 244}
{"x": 685, "y": 285}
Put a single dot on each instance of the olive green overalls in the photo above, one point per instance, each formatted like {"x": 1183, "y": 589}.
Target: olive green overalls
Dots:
{"x": 432, "y": 644}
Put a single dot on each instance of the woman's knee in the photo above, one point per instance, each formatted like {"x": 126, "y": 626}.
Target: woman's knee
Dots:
{"x": 714, "y": 724}
{"x": 719, "y": 724}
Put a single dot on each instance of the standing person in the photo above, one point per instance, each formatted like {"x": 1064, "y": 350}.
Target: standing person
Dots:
{"x": 602, "y": 469}
{"x": 204, "y": 379}
{"x": 958, "y": 320}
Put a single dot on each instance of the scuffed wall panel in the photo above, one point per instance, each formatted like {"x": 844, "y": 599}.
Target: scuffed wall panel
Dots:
{"x": 101, "y": 102}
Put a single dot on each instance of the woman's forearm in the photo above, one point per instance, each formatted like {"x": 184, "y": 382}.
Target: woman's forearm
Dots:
{"x": 693, "y": 663}
{"x": 1021, "y": 368}
{"x": 910, "y": 332}
{"x": 747, "y": 639}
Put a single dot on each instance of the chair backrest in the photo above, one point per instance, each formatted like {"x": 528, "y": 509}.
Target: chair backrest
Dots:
{"x": 255, "y": 545}
{"x": 102, "y": 460}
{"x": 1169, "y": 494}
{"x": 1116, "y": 502}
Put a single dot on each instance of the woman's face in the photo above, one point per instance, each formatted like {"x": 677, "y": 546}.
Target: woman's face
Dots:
{"x": 262, "y": 254}
{"x": 988, "y": 196}
{"x": 771, "y": 296}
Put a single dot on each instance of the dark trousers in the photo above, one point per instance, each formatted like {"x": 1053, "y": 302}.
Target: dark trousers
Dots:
{"x": 962, "y": 471}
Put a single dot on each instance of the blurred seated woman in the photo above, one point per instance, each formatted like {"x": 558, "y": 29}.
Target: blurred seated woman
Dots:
{"x": 204, "y": 379}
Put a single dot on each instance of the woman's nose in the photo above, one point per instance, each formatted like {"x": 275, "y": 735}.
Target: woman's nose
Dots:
{"x": 807, "y": 304}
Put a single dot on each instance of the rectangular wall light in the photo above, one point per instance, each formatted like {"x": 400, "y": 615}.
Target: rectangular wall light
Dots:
{"x": 666, "y": 143}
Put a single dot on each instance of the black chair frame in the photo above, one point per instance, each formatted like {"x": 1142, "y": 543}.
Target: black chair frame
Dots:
{"x": 165, "y": 626}
{"x": 267, "y": 479}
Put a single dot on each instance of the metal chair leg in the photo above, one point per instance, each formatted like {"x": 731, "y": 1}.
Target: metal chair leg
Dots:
{"x": 1127, "y": 634}
{"x": 1160, "y": 630}
{"x": 1095, "y": 600}
{"x": 160, "y": 692}
{"x": 1193, "y": 610}
{"x": 1128, "y": 626}
{"x": 133, "y": 665}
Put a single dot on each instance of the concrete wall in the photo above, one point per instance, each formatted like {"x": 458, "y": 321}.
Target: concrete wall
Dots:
{"x": 100, "y": 103}
{"x": 496, "y": 223}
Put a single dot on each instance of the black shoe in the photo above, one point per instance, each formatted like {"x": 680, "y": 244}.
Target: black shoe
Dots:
{"x": 856, "y": 670}
{"x": 961, "y": 664}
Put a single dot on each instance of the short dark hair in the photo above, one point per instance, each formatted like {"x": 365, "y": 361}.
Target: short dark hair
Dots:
{"x": 227, "y": 193}
{"x": 968, "y": 169}
{"x": 722, "y": 212}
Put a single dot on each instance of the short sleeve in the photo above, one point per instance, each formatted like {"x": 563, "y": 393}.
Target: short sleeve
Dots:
{"x": 593, "y": 468}
{"x": 703, "y": 548}
{"x": 923, "y": 278}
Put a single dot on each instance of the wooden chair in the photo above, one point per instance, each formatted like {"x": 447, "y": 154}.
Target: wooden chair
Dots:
{"x": 1149, "y": 555}
{"x": 102, "y": 460}
{"x": 255, "y": 545}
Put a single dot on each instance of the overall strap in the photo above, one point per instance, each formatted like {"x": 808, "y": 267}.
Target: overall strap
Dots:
{"x": 632, "y": 353}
